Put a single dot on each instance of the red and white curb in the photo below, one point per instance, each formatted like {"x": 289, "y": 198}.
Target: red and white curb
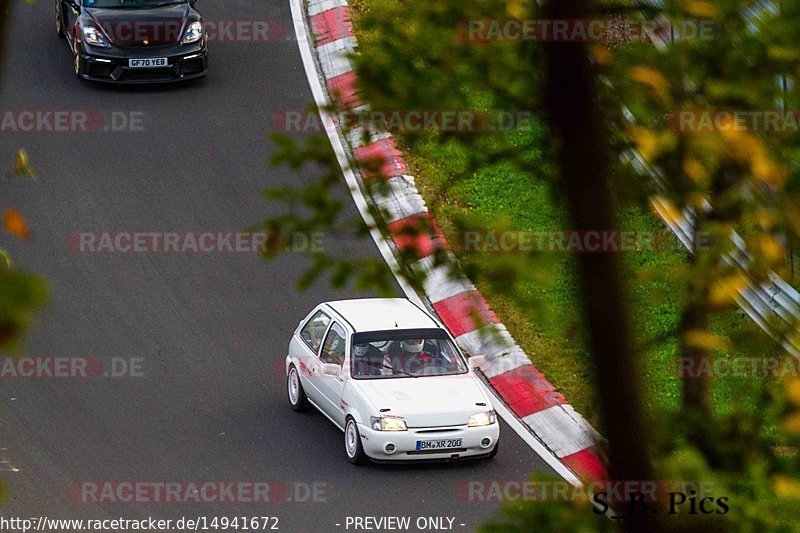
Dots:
{"x": 528, "y": 402}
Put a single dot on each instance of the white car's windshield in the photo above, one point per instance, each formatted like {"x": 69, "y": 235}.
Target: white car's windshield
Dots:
{"x": 404, "y": 354}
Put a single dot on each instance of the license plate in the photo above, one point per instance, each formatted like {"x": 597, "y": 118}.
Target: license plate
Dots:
{"x": 442, "y": 444}
{"x": 152, "y": 62}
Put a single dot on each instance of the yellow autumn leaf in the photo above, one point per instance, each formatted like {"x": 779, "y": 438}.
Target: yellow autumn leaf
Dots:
{"x": 748, "y": 148}
{"x": 765, "y": 219}
{"x": 743, "y": 145}
{"x": 517, "y": 9}
{"x": 22, "y": 166}
{"x": 650, "y": 143}
{"x": 653, "y": 79}
{"x": 767, "y": 171}
{"x": 703, "y": 339}
{"x": 726, "y": 290}
{"x": 783, "y": 53}
{"x": 695, "y": 170}
{"x": 601, "y": 54}
{"x": 771, "y": 249}
{"x": 645, "y": 140}
{"x": 701, "y": 9}
{"x": 791, "y": 424}
{"x": 14, "y": 223}
{"x": 786, "y": 487}
{"x": 793, "y": 391}
{"x": 5, "y": 259}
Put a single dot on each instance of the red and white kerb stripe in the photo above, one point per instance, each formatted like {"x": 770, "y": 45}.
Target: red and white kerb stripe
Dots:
{"x": 455, "y": 299}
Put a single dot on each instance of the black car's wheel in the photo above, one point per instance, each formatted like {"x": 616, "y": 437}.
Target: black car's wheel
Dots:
{"x": 352, "y": 443}
{"x": 76, "y": 62}
{"x": 297, "y": 396}
{"x": 59, "y": 20}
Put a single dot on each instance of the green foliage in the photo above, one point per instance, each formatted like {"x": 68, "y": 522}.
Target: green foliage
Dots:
{"x": 20, "y": 297}
{"x": 21, "y": 294}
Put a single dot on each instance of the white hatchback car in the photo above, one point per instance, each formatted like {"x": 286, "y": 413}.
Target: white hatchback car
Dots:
{"x": 391, "y": 377}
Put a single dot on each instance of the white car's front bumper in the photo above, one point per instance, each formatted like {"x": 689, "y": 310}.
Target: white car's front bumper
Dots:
{"x": 405, "y": 442}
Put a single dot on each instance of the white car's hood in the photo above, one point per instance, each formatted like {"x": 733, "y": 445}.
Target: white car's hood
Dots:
{"x": 427, "y": 401}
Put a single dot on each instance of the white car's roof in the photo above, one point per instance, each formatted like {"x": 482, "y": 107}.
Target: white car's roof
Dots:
{"x": 374, "y": 314}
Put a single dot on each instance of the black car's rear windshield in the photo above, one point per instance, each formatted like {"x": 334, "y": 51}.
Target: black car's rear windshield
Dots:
{"x": 132, "y": 4}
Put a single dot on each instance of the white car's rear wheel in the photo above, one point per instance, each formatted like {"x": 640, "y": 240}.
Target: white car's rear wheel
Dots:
{"x": 297, "y": 396}
{"x": 352, "y": 443}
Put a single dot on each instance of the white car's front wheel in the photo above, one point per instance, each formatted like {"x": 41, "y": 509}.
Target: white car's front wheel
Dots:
{"x": 493, "y": 454}
{"x": 352, "y": 443}
{"x": 297, "y": 396}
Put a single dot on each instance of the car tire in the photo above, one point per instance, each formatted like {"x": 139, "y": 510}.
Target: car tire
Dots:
{"x": 59, "y": 22}
{"x": 76, "y": 62}
{"x": 294, "y": 389}
{"x": 352, "y": 443}
{"x": 493, "y": 453}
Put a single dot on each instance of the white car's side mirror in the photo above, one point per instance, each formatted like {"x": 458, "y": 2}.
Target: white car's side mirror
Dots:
{"x": 476, "y": 360}
{"x": 331, "y": 369}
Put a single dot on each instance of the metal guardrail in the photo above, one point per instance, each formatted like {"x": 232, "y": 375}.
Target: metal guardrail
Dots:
{"x": 773, "y": 305}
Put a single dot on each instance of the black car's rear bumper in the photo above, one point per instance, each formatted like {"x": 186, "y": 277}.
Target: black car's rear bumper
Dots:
{"x": 113, "y": 68}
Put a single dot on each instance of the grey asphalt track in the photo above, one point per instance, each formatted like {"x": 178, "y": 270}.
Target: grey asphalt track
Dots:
{"x": 208, "y": 327}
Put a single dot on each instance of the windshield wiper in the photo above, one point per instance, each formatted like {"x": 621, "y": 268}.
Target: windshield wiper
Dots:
{"x": 383, "y": 365}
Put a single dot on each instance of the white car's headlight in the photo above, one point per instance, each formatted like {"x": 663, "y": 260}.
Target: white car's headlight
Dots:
{"x": 193, "y": 33}
{"x": 93, "y": 36}
{"x": 482, "y": 419}
{"x": 380, "y": 423}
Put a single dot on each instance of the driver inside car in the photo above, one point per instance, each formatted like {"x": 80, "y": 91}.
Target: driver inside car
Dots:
{"x": 416, "y": 358}
{"x": 367, "y": 360}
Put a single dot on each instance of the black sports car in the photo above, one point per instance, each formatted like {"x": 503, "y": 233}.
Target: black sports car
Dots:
{"x": 134, "y": 41}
